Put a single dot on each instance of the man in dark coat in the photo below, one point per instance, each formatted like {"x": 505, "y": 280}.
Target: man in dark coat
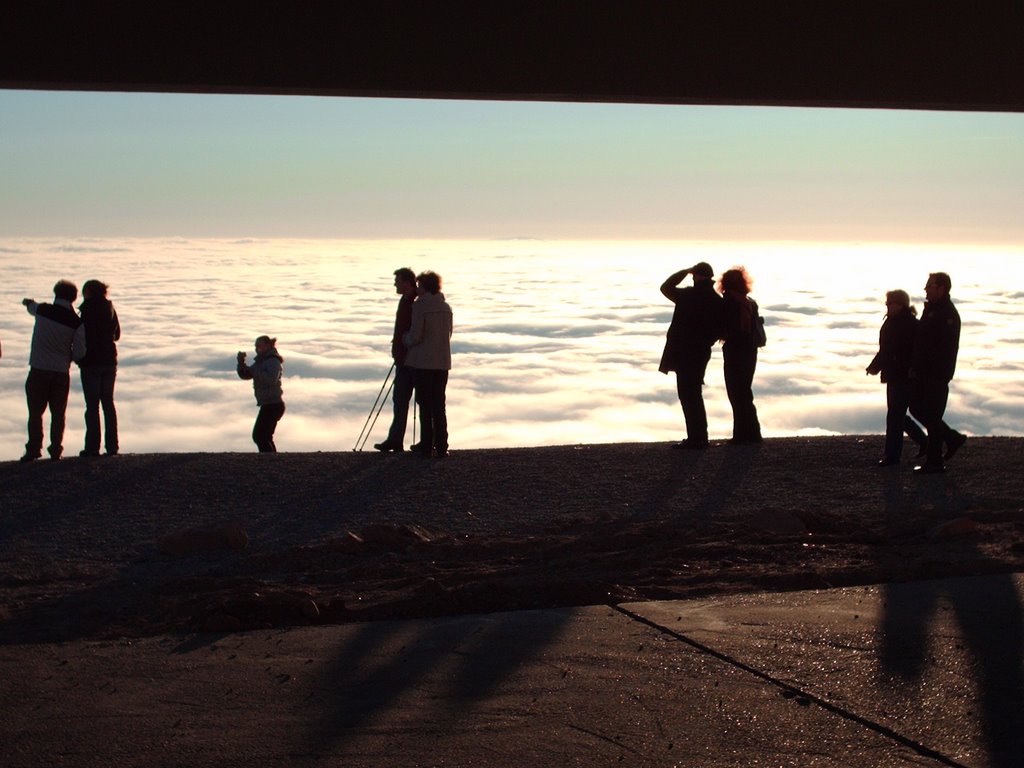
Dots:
{"x": 696, "y": 326}
{"x": 934, "y": 363}
{"x": 405, "y": 286}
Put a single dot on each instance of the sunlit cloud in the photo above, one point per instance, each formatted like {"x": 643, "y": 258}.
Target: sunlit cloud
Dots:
{"x": 534, "y": 363}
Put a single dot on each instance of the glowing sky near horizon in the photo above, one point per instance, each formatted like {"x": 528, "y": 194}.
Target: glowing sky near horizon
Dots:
{"x": 131, "y": 164}
{"x": 544, "y": 353}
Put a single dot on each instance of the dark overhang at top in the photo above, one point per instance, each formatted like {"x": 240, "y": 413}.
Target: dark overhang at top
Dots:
{"x": 943, "y": 54}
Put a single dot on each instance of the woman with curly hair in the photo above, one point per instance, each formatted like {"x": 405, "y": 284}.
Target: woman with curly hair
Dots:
{"x": 739, "y": 353}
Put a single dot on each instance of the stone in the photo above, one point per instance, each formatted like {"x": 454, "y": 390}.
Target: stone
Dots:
{"x": 779, "y": 522}
{"x": 310, "y": 610}
{"x": 230, "y": 535}
{"x": 395, "y": 536}
{"x": 961, "y": 526}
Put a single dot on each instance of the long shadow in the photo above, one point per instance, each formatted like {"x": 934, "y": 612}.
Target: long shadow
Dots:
{"x": 989, "y": 613}
{"x": 735, "y": 462}
{"x": 449, "y": 663}
{"x": 735, "y": 465}
{"x": 382, "y": 663}
{"x": 124, "y": 595}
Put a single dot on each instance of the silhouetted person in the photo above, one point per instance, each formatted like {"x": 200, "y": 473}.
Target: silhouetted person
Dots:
{"x": 739, "y": 353}
{"x": 430, "y": 355}
{"x": 99, "y": 367}
{"x": 57, "y": 338}
{"x": 405, "y": 286}
{"x": 893, "y": 360}
{"x": 696, "y": 326}
{"x": 933, "y": 366}
{"x": 266, "y": 372}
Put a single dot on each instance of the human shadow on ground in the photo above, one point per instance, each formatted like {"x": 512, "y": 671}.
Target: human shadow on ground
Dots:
{"x": 117, "y": 581}
{"x": 726, "y": 467}
{"x": 423, "y": 675}
{"x": 988, "y": 612}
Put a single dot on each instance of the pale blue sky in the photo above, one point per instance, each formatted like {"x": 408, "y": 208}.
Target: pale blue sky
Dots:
{"x": 112, "y": 164}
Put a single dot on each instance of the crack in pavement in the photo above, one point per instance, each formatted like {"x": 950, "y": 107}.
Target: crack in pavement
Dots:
{"x": 791, "y": 691}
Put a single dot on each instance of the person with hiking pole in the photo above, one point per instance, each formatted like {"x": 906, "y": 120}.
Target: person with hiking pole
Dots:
{"x": 405, "y": 286}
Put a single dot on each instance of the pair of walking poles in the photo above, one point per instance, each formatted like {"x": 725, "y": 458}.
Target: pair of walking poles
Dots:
{"x": 376, "y": 408}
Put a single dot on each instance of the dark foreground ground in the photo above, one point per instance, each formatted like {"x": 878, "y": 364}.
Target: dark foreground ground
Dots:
{"x": 148, "y": 544}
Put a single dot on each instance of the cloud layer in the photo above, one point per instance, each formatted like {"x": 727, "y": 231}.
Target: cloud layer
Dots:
{"x": 555, "y": 342}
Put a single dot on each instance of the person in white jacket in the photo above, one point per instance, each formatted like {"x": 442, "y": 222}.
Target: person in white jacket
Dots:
{"x": 57, "y": 338}
{"x": 429, "y": 354}
{"x": 265, "y": 373}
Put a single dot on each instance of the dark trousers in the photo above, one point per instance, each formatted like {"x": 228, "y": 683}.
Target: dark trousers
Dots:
{"x": 689, "y": 385}
{"x": 98, "y": 389}
{"x": 266, "y": 423}
{"x": 928, "y": 405}
{"x": 401, "y": 394}
{"x": 739, "y": 368}
{"x": 46, "y": 389}
{"x": 430, "y": 396}
{"x": 897, "y": 401}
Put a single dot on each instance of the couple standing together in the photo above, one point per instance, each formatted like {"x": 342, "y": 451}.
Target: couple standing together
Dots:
{"x": 59, "y": 336}
{"x": 702, "y": 317}
{"x": 917, "y": 360}
{"x": 421, "y": 349}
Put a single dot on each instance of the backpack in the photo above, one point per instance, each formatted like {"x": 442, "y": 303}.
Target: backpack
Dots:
{"x": 757, "y": 327}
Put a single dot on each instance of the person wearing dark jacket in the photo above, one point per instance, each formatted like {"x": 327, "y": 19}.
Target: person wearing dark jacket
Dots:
{"x": 696, "y": 326}
{"x": 895, "y": 354}
{"x": 265, "y": 372}
{"x": 99, "y": 367}
{"x": 739, "y": 354}
{"x": 57, "y": 338}
{"x": 934, "y": 363}
{"x": 402, "y": 388}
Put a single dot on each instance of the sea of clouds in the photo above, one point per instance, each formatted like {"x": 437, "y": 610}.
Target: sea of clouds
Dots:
{"x": 555, "y": 342}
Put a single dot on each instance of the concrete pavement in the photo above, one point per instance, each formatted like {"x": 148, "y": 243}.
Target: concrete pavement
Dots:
{"x": 926, "y": 673}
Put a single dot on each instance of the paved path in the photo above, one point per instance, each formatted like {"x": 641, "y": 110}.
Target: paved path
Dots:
{"x": 923, "y": 674}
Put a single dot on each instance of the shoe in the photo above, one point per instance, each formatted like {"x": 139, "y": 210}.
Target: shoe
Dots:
{"x": 745, "y": 440}
{"x": 691, "y": 445}
{"x": 887, "y": 462}
{"x": 89, "y": 454}
{"x": 929, "y": 469}
{"x": 388, "y": 446}
{"x": 28, "y": 457}
{"x": 956, "y": 442}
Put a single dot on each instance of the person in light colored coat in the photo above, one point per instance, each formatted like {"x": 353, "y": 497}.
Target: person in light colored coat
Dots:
{"x": 428, "y": 342}
{"x": 265, "y": 372}
{"x": 57, "y": 338}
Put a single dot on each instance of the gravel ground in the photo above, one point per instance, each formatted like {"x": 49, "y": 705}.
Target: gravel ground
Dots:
{"x": 337, "y": 537}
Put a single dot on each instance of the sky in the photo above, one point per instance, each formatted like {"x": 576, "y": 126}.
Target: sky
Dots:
{"x": 176, "y": 165}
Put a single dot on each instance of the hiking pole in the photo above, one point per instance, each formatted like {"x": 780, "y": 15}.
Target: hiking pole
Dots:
{"x": 364, "y": 431}
{"x": 379, "y": 409}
